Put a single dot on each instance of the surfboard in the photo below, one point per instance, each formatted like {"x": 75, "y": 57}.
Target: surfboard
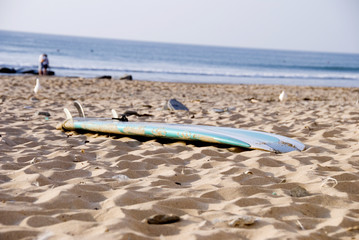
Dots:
{"x": 210, "y": 134}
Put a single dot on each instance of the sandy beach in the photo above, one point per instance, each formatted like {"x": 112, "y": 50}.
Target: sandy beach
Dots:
{"x": 66, "y": 185}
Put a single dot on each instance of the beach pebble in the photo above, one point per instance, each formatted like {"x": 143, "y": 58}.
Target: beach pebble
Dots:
{"x": 105, "y": 77}
{"x": 34, "y": 99}
{"x": 242, "y": 221}
{"x": 47, "y": 114}
{"x": 298, "y": 191}
{"x": 126, "y": 77}
{"x": 163, "y": 219}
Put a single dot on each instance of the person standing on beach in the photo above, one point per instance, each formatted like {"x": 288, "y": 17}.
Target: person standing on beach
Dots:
{"x": 43, "y": 64}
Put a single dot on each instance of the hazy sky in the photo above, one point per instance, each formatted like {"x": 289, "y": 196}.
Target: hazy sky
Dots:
{"x": 313, "y": 25}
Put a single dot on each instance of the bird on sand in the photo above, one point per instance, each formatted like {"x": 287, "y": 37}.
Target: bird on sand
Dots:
{"x": 282, "y": 96}
{"x": 37, "y": 86}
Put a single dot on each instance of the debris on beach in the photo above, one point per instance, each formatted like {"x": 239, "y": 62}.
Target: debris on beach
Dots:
{"x": 37, "y": 86}
{"x": 329, "y": 182}
{"x": 222, "y": 110}
{"x": 121, "y": 177}
{"x": 34, "y": 160}
{"x": 173, "y": 105}
{"x": 283, "y": 96}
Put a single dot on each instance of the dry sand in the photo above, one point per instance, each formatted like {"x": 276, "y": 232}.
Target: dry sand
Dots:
{"x": 57, "y": 185}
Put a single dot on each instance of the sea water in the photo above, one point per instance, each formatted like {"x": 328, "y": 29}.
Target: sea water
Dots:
{"x": 93, "y": 57}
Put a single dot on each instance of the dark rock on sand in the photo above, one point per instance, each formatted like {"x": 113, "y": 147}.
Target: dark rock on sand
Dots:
{"x": 298, "y": 191}
{"x": 7, "y": 70}
{"x": 27, "y": 71}
{"x": 47, "y": 114}
{"x": 24, "y": 71}
{"x": 105, "y": 77}
{"x": 126, "y": 77}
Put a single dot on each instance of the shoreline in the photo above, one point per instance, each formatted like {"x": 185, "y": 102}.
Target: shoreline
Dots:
{"x": 70, "y": 185}
{"x": 124, "y": 76}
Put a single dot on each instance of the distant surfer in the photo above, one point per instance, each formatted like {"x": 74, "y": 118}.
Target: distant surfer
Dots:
{"x": 43, "y": 64}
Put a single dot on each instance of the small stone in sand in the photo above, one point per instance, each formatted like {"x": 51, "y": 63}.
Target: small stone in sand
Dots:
{"x": 105, "y": 77}
{"x": 242, "y": 221}
{"x": 298, "y": 191}
{"x": 163, "y": 219}
{"x": 34, "y": 99}
{"x": 47, "y": 114}
{"x": 126, "y": 77}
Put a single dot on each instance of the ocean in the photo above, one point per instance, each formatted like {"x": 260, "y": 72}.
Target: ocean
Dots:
{"x": 151, "y": 61}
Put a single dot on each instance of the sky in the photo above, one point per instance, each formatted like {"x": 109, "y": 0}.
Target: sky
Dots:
{"x": 302, "y": 25}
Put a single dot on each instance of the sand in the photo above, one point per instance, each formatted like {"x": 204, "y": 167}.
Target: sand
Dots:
{"x": 66, "y": 185}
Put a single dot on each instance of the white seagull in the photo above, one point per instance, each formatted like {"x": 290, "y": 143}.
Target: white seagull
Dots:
{"x": 37, "y": 86}
{"x": 282, "y": 96}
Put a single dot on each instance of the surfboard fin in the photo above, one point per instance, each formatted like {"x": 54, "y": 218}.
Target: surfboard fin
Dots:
{"x": 114, "y": 113}
{"x": 123, "y": 117}
{"x": 79, "y": 108}
{"x": 68, "y": 114}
